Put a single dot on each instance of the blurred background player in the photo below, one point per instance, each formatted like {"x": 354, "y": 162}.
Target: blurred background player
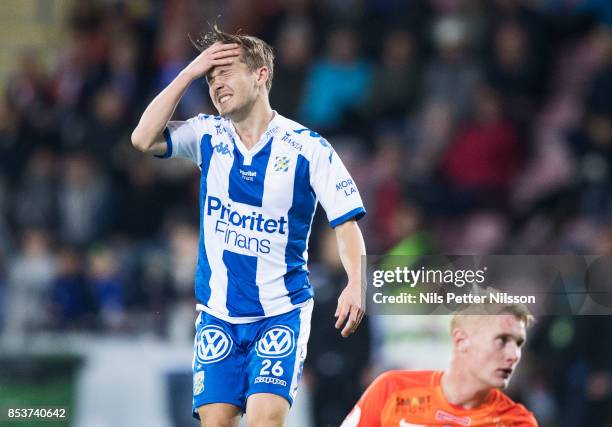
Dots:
{"x": 486, "y": 351}
{"x": 262, "y": 175}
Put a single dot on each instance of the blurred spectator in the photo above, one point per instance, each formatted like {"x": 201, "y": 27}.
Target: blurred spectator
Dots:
{"x": 6, "y": 243}
{"x": 3, "y": 291}
{"x": 122, "y": 69}
{"x": 294, "y": 46}
{"x": 105, "y": 127}
{"x": 72, "y": 300}
{"x": 30, "y": 276}
{"x": 408, "y": 232}
{"x": 513, "y": 71}
{"x": 485, "y": 156}
{"x": 451, "y": 76}
{"x": 396, "y": 82}
{"x": 84, "y": 201}
{"x": 593, "y": 147}
{"x": 183, "y": 241}
{"x": 107, "y": 286}
{"x": 335, "y": 84}
{"x": 29, "y": 96}
{"x": 599, "y": 95}
{"x": 431, "y": 132}
{"x": 36, "y": 198}
{"x": 142, "y": 204}
{"x": 389, "y": 211}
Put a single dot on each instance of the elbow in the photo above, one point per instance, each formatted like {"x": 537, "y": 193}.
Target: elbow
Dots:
{"x": 138, "y": 142}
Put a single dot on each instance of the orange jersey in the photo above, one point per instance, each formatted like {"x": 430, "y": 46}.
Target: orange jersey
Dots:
{"x": 415, "y": 399}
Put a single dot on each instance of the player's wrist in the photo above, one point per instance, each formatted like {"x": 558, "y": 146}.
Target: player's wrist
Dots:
{"x": 356, "y": 283}
{"x": 189, "y": 74}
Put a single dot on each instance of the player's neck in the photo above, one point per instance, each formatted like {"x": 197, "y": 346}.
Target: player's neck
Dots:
{"x": 251, "y": 126}
{"x": 461, "y": 389}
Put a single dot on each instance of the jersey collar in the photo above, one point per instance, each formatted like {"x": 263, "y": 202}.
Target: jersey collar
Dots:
{"x": 271, "y": 130}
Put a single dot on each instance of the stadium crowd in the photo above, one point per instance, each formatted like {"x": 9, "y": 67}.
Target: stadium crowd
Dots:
{"x": 470, "y": 126}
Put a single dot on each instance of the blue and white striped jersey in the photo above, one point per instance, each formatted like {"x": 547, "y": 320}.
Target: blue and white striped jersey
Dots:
{"x": 256, "y": 210}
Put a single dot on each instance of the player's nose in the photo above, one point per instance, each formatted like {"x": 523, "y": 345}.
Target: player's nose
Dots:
{"x": 513, "y": 352}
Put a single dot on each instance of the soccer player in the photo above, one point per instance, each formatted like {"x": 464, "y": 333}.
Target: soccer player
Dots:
{"x": 261, "y": 177}
{"x": 486, "y": 350}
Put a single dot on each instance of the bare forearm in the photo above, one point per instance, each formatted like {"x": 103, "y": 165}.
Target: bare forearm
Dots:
{"x": 351, "y": 248}
{"x": 148, "y": 134}
{"x": 158, "y": 113}
{"x": 351, "y": 304}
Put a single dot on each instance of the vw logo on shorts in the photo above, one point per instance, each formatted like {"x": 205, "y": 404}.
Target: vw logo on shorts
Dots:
{"x": 213, "y": 344}
{"x": 277, "y": 341}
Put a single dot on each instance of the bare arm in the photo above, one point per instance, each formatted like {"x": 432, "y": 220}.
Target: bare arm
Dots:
{"x": 147, "y": 136}
{"x": 351, "y": 304}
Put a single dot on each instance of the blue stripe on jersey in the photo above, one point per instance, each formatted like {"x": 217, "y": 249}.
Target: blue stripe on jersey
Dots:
{"x": 242, "y": 290}
{"x": 246, "y": 182}
{"x": 356, "y": 213}
{"x": 300, "y": 217}
{"x": 202, "y": 280}
{"x": 168, "y": 145}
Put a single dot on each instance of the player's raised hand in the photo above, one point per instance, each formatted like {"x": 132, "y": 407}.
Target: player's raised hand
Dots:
{"x": 350, "y": 310}
{"x": 217, "y": 54}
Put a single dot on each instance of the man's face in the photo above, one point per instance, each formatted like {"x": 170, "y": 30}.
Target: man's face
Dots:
{"x": 232, "y": 88}
{"x": 493, "y": 348}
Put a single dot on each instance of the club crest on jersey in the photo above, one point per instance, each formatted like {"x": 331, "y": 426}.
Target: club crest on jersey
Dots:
{"x": 198, "y": 383}
{"x": 213, "y": 344}
{"x": 223, "y": 149}
{"x": 281, "y": 164}
{"x": 277, "y": 341}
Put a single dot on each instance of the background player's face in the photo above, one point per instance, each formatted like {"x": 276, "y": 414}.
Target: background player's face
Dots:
{"x": 494, "y": 348}
{"x": 233, "y": 88}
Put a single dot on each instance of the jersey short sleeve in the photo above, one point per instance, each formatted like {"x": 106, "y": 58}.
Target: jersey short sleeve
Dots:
{"x": 183, "y": 138}
{"x": 334, "y": 186}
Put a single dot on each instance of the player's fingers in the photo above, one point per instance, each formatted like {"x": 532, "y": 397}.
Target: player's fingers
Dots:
{"x": 352, "y": 322}
{"x": 225, "y": 53}
{"x": 339, "y": 305}
{"x": 225, "y": 61}
{"x": 344, "y": 312}
{"x": 217, "y": 47}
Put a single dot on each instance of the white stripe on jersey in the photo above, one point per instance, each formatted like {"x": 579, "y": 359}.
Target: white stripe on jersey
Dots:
{"x": 271, "y": 269}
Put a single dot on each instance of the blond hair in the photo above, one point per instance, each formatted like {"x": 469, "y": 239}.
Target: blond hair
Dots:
{"x": 256, "y": 53}
{"x": 519, "y": 311}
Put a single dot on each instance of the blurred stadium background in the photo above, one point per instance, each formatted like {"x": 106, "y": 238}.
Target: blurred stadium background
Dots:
{"x": 471, "y": 127}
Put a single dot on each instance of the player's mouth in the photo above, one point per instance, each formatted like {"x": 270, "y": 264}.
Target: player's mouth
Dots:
{"x": 505, "y": 372}
{"x": 223, "y": 99}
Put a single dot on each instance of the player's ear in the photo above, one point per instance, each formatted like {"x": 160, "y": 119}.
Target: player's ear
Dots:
{"x": 460, "y": 339}
{"x": 261, "y": 76}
